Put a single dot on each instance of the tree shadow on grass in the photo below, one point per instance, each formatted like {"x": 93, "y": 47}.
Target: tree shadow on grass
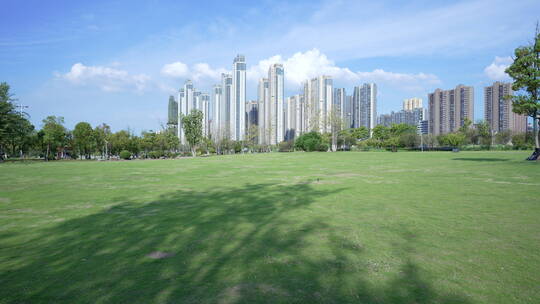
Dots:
{"x": 254, "y": 244}
{"x": 481, "y": 159}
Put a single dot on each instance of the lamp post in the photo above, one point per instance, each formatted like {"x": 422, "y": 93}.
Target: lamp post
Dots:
{"x": 21, "y": 113}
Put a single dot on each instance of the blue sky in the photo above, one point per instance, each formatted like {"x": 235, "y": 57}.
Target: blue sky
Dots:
{"x": 118, "y": 61}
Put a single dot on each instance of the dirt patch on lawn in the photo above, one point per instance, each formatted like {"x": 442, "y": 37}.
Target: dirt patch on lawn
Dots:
{"x": 247, "y": 290}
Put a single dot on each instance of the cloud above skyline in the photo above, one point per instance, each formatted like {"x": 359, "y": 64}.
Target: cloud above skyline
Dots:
{"x": 300, "y": 67}
{"x": 496, "y": 70}
{"x": 107, "y": 79}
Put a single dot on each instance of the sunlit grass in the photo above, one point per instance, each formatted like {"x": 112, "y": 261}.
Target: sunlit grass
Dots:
{"x": 273, "y": 228}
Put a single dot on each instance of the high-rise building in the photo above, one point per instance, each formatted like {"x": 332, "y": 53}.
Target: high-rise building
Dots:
{"x": 365, "y": 106}
{"x": 409, "y": 117}
{"x": 340, "y": 103}
{"x": 218, "y": 112}
{"x": 412, "y": 103}
{"x": 226, "y": 106}
{"x": 423, "y": 127}
{"x": 189, "y": 101}
{"x": 308, "y": 123}
{"x": 355, "y": 120}
{"x": 319, "y": 95}
{"x": 300, "y": 111}
{"x": 447, "y": 110}
{"x": 238, "y": 100}
{"x": 172, "y": 120}
{"x": 203, "y": 104}
{"x": 182, "y": 110}
{"x": 275, "y": 112}
{"x": 293, "y": 117}
{"x": 252, "y": 113}
{"x": 348, "y": 113}
{"x": 498, "y": 109}
{"x": 264, "y": 107}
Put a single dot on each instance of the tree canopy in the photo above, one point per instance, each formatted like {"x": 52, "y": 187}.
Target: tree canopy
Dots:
{"x": 192, "y": 125}
{"x": 525, "y": 71}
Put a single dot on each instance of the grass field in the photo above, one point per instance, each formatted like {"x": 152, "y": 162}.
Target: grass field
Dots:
{"x": 273, "y": 228}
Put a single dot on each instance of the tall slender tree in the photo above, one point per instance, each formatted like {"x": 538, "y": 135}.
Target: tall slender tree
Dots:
{"x": 525, "y": 70}
{"x": 54, "y": 134}
{"x": 192, "y": 124}
{"x": 84, "y": 139}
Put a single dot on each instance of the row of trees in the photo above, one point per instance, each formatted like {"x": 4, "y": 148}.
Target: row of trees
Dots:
{"x": 18, "y": 137}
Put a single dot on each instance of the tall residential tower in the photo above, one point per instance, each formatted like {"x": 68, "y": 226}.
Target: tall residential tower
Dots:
{"x": 447, "y": 110}
{"x": 498, "y": 109}
{"x": 238, "y": 100}
{"x": 275, "y": 113}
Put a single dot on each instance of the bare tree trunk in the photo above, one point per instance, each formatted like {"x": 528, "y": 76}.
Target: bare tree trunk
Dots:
{"x": 47, "y": 155}
{"x": 193, "y": 152}
{"x": 536, "y": 153}
{"x": 536, "y": 124}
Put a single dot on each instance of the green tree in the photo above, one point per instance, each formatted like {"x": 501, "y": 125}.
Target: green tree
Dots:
{"x": 525, "y": 70}
{"x": 84, "y": 139}
{"x": 19, "y": 131}
{"x": 381, "y": 132}
{"x": 522, "y": 141}
{"x": 120, "y": 141}
{"x": 102, "y": 137}
{"x": 484, "y": 134}
{"x": 399, "y": 129}
{"x": 360, "y": 133}
{"x": 15, "y": 129}
{"x": 409, "y": 140}
{"x": 336, "y": 124}
{"x": 468, "y": 131}
{"x": 168, "y": 140}
{"x": 392, "y": 143}
{"x": 252, "y": 136}
{"x": 311, "y": 141}
{"x": 54, "y": 134}
{"x": 454, "y": 140}
{"x": 149, "y": 142}
{"x": 503, "y": 137}
{"x": 192, "y": 124}
{"x": 7, "y": 110}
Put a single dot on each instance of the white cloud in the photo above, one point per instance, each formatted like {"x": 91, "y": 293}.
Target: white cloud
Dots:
{"x": 197, "y": 72}
{"x": 203, "y": 71}
{"x": 309, "y": 64}
{"x": 175, "y": 69}
{"x": 106, "y": 78}
{"x": 496, "y": 70}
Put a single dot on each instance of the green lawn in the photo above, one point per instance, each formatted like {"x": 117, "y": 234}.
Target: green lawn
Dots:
{"x": 273, "y": 228}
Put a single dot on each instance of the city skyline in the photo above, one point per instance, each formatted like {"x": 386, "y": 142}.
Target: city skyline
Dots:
{"x": 277, "y": 118}
{"x": 118, "y": 66}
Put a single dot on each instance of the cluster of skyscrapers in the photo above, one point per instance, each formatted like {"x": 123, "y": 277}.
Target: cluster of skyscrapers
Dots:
{"x": 319, "y": 106}
{"x": 272, "y": 118}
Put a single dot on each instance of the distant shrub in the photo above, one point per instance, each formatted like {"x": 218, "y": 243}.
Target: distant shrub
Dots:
{"x": 322, "y": 147}
{"x": 372, "y": 143}
{"x": 285, "y": 146}
{"x": 523, "y": 141}
{"x": 311, "y": 141}
{"x": 237, "y": 146}
{"x": 501, "y": 147}
{"x": 471, "y": 148}
{"x": 169, "y": 154}
{"x": 155, "y": 154}
{"x": 125, "y": 154}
